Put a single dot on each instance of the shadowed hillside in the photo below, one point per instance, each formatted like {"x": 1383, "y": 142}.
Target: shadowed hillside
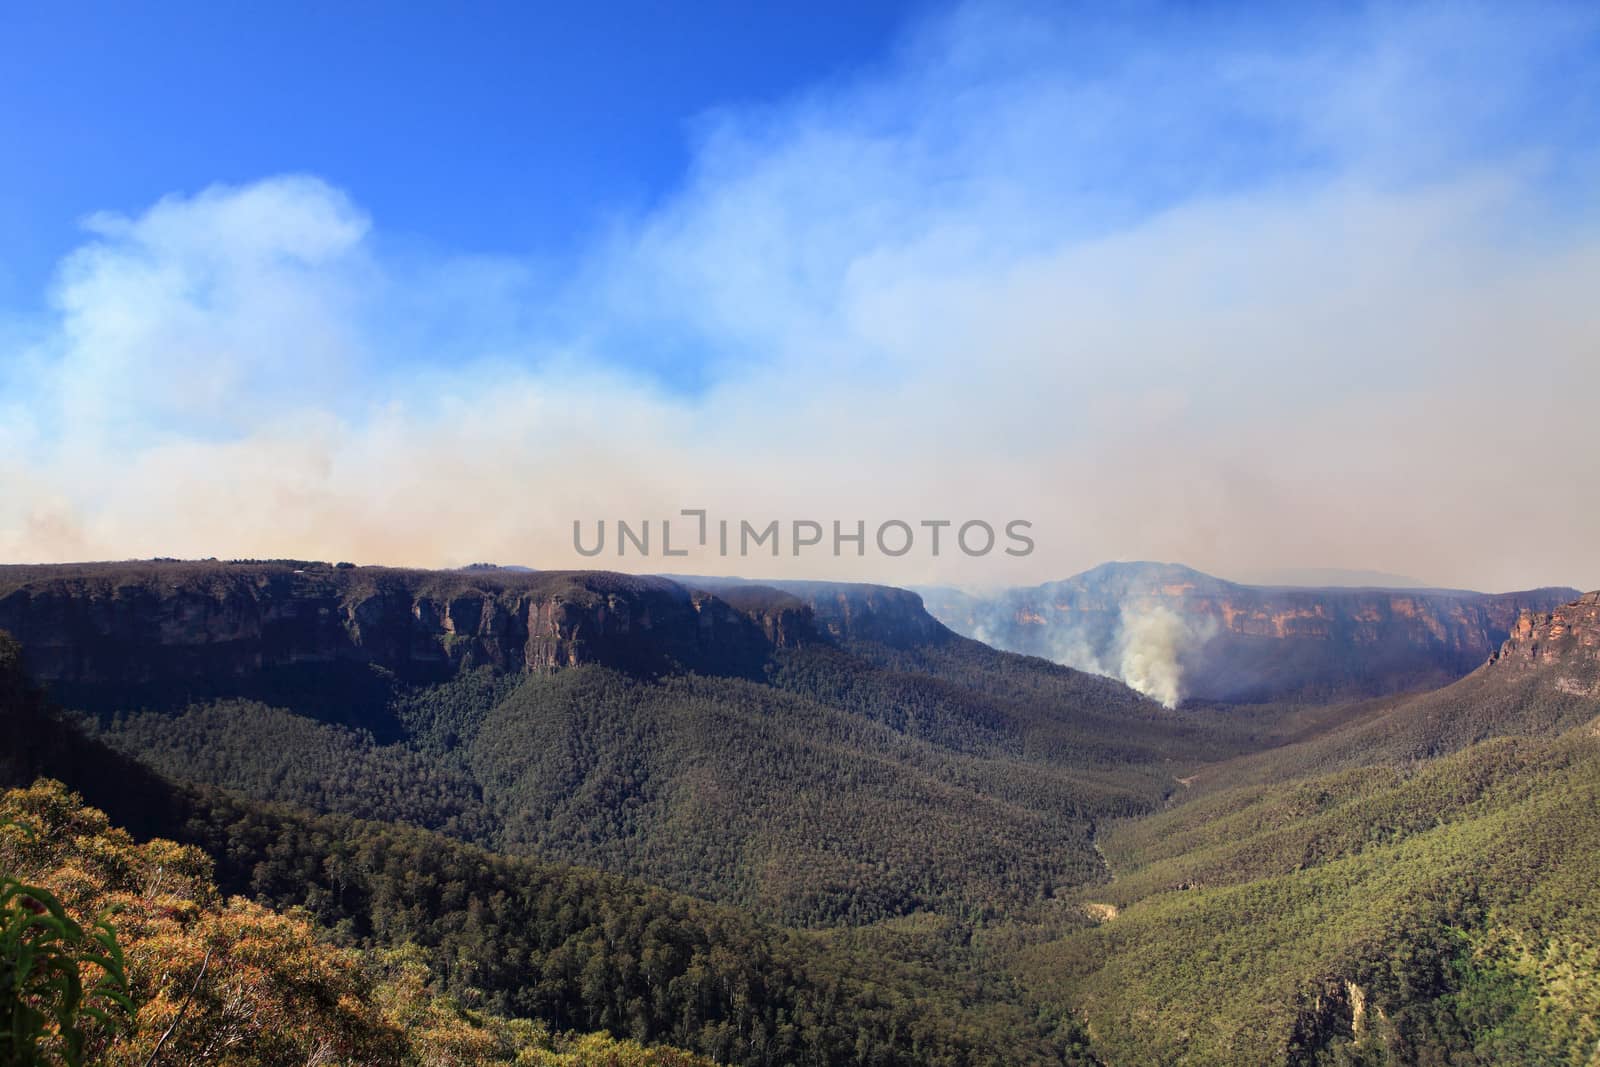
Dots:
{"x": 571, "y": 947}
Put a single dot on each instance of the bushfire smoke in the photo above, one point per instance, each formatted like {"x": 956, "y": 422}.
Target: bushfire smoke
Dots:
{"x": 1153, "y": 643}
{"x": 1148, "y": 647}
{"x": 1237, "y": 282}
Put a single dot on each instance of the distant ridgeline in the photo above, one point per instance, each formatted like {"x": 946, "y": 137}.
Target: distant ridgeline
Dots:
{"x": 1174, "y": 632}
{"x": 164, "y": 631}
{"x": 104, "y": 634}
{"x": 811, "y": 824}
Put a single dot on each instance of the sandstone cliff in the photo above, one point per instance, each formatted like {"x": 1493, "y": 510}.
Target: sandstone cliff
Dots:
{"x": 148, "y": 630}
{"x": 1563, "y": 642}
{"x": 119, "y": 635}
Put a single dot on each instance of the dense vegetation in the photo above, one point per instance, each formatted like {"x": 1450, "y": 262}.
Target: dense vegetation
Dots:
{"x": 840, "y": 790}
{"x": 1403, "y": 731}
{"x": 271, "y": 753}
{"x": 734, "y": 791}
{"x": 888, "y": 845}
{"x": 571, "y": 947}
{"x": 1394, "y": 908}
{"x": 202, "y": 978}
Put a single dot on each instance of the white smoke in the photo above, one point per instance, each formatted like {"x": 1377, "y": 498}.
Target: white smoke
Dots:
{"x": 259, "y": 370}
{"x": 1152, "y": 643}
{"x": 1147, "y": 650}
{"x": 1072, "y": 647}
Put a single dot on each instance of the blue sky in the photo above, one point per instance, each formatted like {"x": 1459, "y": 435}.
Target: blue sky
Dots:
{"x": 1243, "y": 287}
{"x": 561, "y": 118}
{"x": 559, "y": 115}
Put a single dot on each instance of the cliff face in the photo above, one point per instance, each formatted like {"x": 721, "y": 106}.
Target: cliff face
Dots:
{"x": 840, "y": 611}
{"x": 118, "y": 627}
{"x": 1228, "y": 641}
{"x": 878, "y": 613}
{"x": 1563, "y": 642}
{"x": 164, "y": 632}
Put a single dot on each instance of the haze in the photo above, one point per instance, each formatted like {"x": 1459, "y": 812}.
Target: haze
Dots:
{"x": 1254, "y": 295}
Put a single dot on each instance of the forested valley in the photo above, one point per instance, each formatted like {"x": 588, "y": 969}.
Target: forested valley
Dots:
{"x": 833, "y": 833}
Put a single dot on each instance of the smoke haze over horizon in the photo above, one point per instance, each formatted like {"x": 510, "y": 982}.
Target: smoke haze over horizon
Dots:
{"x": 1307, "y": 290}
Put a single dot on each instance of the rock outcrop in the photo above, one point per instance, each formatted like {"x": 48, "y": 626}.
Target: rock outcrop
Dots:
{"x": 840, "y": 611}
{"x": 165, "y": 632}
{"x": 199, "y": 626}
{"x": 1564, "y": 642}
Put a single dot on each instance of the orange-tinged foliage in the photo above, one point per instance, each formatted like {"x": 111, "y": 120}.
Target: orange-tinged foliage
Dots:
{"x": 230, "y": 982}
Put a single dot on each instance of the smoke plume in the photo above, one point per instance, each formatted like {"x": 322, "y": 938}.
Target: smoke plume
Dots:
{"x": 1153, "y": 643}
{"x": 1148, "y": 648}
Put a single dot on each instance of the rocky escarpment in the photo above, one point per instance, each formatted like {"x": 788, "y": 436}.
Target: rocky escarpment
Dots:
{"x": 1563, "y": 642}
{"x": 160, "y": 632}
{"x": 1228, "y": 641}
{"x": 844, "y": 611}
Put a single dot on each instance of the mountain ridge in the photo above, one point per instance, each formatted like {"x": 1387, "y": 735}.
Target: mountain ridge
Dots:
{"x": 824, "y": 775}
{"x": 106, "y": 630}
{"x": 1208, "y": 638}
{"x": 598, "y": 718}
